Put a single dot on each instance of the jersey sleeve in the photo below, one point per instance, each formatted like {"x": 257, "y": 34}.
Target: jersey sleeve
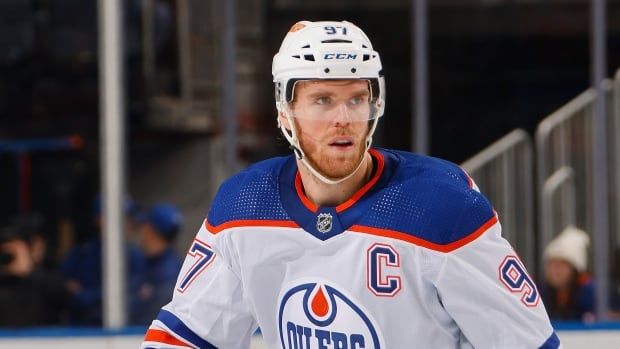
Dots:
{"x": 209, "y": 308}
{"x": 487, "y": 291}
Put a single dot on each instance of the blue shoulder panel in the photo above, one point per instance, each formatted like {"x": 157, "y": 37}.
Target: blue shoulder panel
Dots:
{"x": 430, "y": 199}
{"x": 252, "y": 194}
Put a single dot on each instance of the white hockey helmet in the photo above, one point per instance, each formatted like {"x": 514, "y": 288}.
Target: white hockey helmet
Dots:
{"x": 326, "y": 50}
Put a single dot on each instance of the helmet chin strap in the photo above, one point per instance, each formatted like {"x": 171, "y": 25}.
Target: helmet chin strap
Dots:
{"x": 299, "y": 153}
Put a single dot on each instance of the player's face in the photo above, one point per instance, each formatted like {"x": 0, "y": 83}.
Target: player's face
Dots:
{"x": 332, "y": 121}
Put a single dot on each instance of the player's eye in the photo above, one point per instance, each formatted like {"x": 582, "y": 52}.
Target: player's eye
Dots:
{"x": 357, "y": 100}
{"x": 323, "y": 100}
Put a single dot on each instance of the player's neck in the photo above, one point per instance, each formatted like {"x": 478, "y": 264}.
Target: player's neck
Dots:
{"x": 323, "y": 194}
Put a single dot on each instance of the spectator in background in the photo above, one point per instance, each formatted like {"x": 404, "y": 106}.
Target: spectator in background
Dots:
{"x": 157, "y": 231}
{"x": 30, "y": 294}
{"x": 83, "y": 269}
{"x": 30, "y": 225}
{"x": 568, "y": 291}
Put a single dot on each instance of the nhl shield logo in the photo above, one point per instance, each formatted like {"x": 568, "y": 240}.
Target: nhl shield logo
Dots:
{"x": 324, "y": 222}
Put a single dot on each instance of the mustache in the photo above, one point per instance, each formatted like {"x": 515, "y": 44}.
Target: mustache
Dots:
{"x": 341, "y": 133}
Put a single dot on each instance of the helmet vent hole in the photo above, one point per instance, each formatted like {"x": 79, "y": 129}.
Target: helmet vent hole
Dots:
{"x": 326, "y": 70}
{"x": 353, "y": 70}
{"x": 335, "y": 41}
{"x": 366, "y": 57}
{"x": 309, "y": 58}
{"x": 364, "y": 46}
{"x": 296, "y": 56}
{"x": 307, "y": 46}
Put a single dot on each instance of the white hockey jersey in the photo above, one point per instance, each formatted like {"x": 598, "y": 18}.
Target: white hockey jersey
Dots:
{"x": 415, "y": 259}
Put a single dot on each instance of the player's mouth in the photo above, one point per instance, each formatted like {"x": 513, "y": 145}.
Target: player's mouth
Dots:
{"x": 341, "y": 143}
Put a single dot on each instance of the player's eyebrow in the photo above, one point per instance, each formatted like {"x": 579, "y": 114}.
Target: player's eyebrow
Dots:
{"x": 361, "y": 92}
{"x": 328, "y": 93}
{"x": 321, "y": 93}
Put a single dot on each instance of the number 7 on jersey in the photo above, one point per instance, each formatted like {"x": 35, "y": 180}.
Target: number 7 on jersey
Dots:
{"x": 203, "y": 256}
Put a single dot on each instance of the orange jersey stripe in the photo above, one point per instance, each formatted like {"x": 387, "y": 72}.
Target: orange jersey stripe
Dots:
{"x": 302, "y": 196}
{"x": 421, "y": 242}
{"x": 153, "y": 335}
{"x": 249, "y": 223}
{"x": 380, "y": 165}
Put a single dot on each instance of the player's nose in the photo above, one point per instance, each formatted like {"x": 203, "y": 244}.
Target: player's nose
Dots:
{"x": 341, "y": 115}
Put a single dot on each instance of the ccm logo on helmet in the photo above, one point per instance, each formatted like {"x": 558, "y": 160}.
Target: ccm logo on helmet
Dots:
{"x": 340, "y": 56}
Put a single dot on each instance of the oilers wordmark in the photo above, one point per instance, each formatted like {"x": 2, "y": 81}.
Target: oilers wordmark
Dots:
{"x": 301, "y": 337}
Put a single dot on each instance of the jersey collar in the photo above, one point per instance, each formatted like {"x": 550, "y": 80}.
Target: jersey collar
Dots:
{"x": 324, "y": 222}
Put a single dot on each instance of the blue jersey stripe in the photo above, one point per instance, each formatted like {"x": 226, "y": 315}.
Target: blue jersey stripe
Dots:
{"x": 175, "y": 324}
{"x": 553, "y": 342}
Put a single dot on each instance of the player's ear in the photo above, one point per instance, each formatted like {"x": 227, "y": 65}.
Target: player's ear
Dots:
{"x": 283, "y": 120}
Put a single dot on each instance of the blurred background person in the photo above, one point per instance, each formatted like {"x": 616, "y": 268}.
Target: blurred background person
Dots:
{"x": 568, "y": 290}
{"x": 83, "y": 270}
{"x": 30, "y": 293}
{"x": 157, "y": 231}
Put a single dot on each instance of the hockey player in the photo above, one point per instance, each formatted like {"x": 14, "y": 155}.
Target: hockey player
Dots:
{"x": 346, "y": 246}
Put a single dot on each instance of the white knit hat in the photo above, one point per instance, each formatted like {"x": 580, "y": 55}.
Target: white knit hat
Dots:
{"x": 570, "y": 245}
